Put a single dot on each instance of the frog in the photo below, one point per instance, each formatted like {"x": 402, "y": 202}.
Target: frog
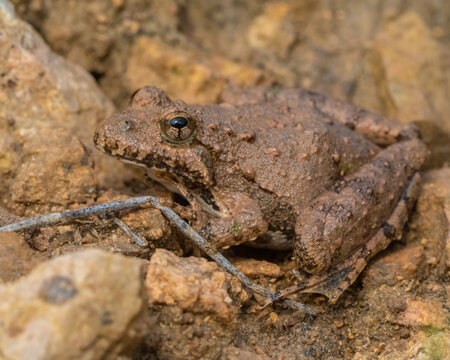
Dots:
{"x": 284, "y": 168}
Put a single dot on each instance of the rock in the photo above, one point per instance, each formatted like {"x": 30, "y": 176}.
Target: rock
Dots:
{"x": 395, "y": 266}
{"x": 428, "y": 344}
{"x": 424, "y": 312}
{"x": 40, "y": 87}
{"x": 271, "y": 31}
{"x": 234, "y": 353}
{"x": 430, "y": 223}
{"x": 77, "y": 306}
{"x": 192, "y": 284}
{"x": 193, "y": 302}
{"x": 401, "y": 51}
{"x": 16, "y": 257}
{"x": 258, "y": 268}
{"x": 52, "y": 157}
{"x": 183, "y": 72}
{"x": 48, "y": 104}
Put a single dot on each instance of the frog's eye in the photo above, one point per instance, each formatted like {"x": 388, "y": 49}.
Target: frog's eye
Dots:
{"x": 178, "y": 129}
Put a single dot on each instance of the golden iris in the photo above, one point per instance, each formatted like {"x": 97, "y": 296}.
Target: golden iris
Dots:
{"x": 178, "y": 129}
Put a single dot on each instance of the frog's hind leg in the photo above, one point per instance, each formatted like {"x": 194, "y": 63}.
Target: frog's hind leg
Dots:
{"x": 372, "y": 126}
{"x": 338, "y": 279}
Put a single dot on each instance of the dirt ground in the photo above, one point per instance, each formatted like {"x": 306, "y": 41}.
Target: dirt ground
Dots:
{"x": 391, "y": 57}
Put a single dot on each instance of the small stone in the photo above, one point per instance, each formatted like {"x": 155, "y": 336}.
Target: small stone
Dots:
{"x": 272, "y": 151}
{"x": 426, "y": 312}
{"x": 234, "y": 353}
{"x": 192, "y": 284}
{"x": 258, "y": 268}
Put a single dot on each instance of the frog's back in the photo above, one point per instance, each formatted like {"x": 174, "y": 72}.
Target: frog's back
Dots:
{"x": 282, "y": 145}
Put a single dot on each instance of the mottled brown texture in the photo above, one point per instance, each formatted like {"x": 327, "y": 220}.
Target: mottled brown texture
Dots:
{"x": 307, "y": 162}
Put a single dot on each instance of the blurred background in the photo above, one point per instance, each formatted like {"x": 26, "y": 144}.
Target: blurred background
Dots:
{"x": 389, "y": 56}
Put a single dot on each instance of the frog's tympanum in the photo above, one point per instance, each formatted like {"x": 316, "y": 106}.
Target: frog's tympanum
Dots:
{"x": 279, "y": 168}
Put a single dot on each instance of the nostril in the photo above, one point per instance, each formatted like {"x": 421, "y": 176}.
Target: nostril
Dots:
{"x": 127, "y": 125}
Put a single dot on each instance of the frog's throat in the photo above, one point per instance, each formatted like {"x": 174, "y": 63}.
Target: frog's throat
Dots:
{"x": 157, "y": 175}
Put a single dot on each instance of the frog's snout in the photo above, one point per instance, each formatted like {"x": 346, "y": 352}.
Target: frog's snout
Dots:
{"x": 105, "y": 137}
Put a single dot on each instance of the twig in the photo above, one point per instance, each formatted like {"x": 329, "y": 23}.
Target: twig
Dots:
{"x": 126, "y": 229}
{"x": 172, "y": 216}
{"x": 67, "y": 216}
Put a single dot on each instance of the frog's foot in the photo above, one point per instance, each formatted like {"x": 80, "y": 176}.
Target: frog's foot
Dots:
{"x": 337, "y": 280}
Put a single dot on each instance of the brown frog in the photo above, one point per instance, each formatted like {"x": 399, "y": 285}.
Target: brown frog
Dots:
{"x": 333, "y": 180}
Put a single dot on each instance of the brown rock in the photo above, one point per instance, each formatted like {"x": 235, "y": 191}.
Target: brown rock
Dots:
{"x": 148, "y": 223}
{"x": 16, "y": 257}
{"x": 77, "y": 306}
{"x": 395, "y": 266}
{"x": 430, "y": 224}
{"x": 258, "y": 268}
{"x": 40, "y": 93}
{"x": 56, "y": 169}
{"x": 271, "y": 31}
{"x": 192, "y": 300}
{"x": 192, "y": 284}
{"x": 40, "y": 87}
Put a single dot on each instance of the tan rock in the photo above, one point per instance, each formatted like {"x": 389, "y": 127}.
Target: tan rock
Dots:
{"x": 40, "y": 93}
{"x": 424, "y": 345}
{"x": 183, "y": 72}
{"x": 56, "y": 169}
{"x": 192, "y": 300}
{"x": 428, "y": 312}
{"x": 405, "y": 64}
{"x": 77, "y": 306}
{"x": 258, "y": 268}
{"x": 430, "y": 224}
{"x": 271, "y": 31}
{"x": 40, "y": 87}
{"x": 234, "y": 353}
{"x": 192, "y": 284}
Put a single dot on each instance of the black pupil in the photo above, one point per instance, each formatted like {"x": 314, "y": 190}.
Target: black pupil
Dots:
{"x": 178, "y": 122}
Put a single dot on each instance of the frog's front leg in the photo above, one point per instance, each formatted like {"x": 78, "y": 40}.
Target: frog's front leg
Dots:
{"x": 225, "y": 218}
{"x": 341, "y": 221}
{"x": 236, "y": 219}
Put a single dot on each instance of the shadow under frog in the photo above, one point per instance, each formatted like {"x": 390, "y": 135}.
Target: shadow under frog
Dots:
{"x": 336, "y": 181}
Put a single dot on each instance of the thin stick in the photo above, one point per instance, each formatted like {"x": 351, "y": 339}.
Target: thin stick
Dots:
{"x": 172, "y": 216}
{"x": 126, "y": 229}
{"x": 67, "y": 216}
